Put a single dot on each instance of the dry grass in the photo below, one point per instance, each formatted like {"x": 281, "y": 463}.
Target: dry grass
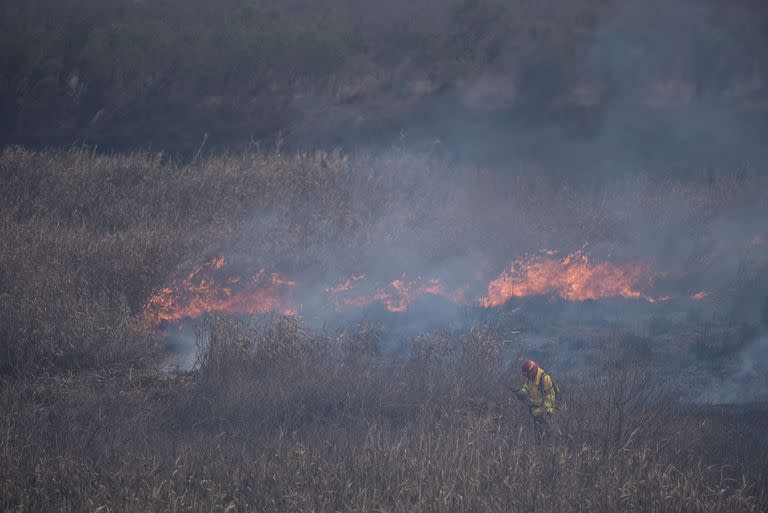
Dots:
{"x": 278, "y": 421}
{"x": 282, "y": 419}
{"x": 88, "y": 237}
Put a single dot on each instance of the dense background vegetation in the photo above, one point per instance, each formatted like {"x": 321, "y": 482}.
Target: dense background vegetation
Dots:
{"x": 127, "y": 74}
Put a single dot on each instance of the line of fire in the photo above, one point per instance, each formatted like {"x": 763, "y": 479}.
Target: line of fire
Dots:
{"x": 215, "y": 286}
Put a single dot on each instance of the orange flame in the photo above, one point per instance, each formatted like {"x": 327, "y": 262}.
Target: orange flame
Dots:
{"x": 208, "y": 289}
{"x": 574, "y": 278}
{"x": 212, "y": 287}
{"x": 396, "y": 296}
{"x": 346, "y": 285}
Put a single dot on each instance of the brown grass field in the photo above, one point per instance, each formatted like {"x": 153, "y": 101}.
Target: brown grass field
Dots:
{"x": 280, "y": 417}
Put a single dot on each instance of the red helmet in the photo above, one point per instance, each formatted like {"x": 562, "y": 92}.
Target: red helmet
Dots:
{"x": 530, "y": 367}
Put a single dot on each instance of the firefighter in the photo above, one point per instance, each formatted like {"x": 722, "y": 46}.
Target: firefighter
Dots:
{"x": 539, "y": 391}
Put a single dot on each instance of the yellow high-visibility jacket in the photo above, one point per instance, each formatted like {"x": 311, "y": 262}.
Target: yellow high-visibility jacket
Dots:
{"x": 540, "y": 393}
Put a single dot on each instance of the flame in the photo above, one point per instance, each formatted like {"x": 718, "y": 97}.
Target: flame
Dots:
{"x": 396, "y": 296}
{"x": 574, "y": 278}
{"x": 214, "y": 287}
{"x": 210, "y": 289}
{"x": 346, "y": 285}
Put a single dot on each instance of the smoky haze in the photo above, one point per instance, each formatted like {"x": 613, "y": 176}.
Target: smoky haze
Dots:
{"x": 417, "y": 217}
{"x": 571, "y": 88}
{"x": 655, "y": 88}
{"x": 262, "y": 255}
{"x": 471, "y": 134}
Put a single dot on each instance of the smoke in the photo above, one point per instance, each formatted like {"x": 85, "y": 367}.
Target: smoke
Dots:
{"x": 654, "y": 88}
{"x": 745, "y": 380}
{"x": 418, "y": 227}
{"x": 646, "y": 151}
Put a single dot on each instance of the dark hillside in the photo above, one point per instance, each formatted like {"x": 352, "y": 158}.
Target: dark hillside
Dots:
{"x": 586, "y": 77}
